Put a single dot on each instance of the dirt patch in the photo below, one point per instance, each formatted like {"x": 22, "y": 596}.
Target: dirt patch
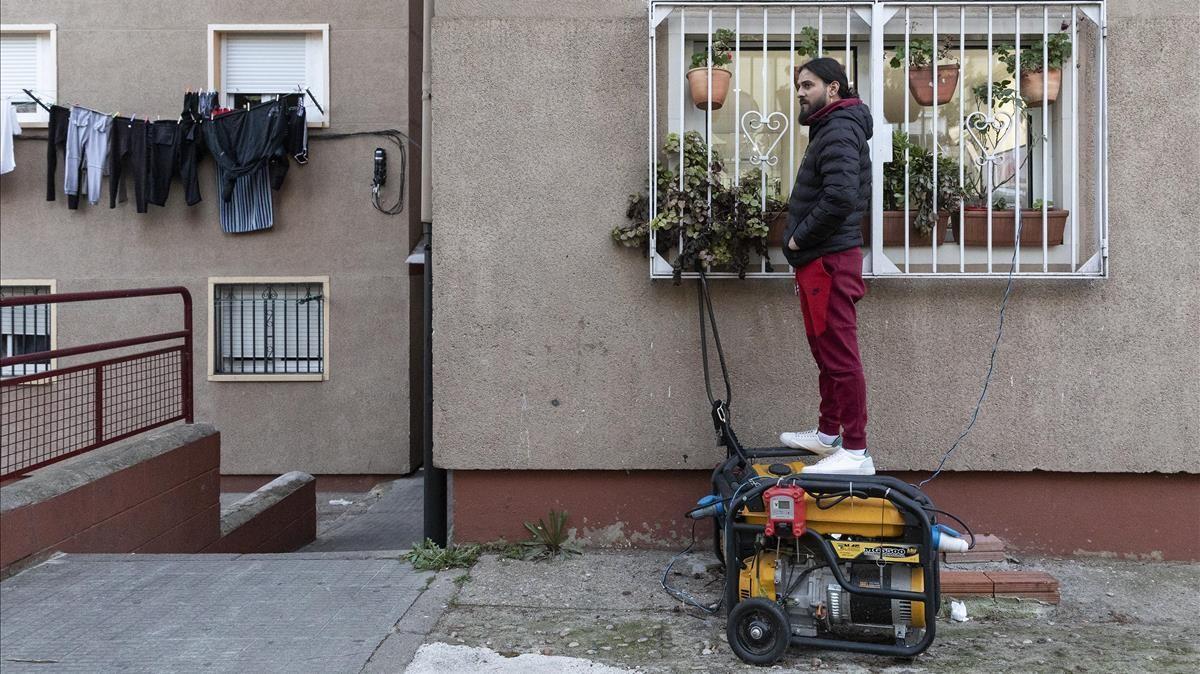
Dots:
{"x": 609, "y": 607}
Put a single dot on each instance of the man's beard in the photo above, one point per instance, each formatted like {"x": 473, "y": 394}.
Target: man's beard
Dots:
{"x": 813, "y": 106}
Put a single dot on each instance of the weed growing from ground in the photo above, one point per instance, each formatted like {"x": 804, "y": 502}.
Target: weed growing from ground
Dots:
{"x": 429, "y": 556}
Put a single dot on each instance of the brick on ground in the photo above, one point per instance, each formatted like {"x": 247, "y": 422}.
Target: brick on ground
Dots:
{"x": 988, "y": 548}
{"x": 967, "y": 584}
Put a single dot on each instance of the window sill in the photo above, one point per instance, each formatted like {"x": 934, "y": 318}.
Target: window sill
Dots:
{"x": 268, "y": 377}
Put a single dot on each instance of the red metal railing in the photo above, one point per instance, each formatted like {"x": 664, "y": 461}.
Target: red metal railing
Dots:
{"x": 61, "y": 412}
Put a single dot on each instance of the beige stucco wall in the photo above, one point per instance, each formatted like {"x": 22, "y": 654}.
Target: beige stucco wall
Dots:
{"x": 553, "y": 349}
{"x": 139, "y": 57}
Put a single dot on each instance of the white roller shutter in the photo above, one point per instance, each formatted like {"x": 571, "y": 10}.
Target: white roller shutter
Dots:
{"x": 264, "y": 63}
{"x": 18, "y": 64}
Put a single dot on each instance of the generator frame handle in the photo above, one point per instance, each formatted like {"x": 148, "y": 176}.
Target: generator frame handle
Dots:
{"x": 885, "y": 487}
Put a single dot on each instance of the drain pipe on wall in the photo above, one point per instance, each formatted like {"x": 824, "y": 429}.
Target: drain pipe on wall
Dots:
{"x": 435, "y": 478}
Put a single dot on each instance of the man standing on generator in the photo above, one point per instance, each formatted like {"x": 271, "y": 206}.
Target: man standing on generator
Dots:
{"x": 828, "y": 201}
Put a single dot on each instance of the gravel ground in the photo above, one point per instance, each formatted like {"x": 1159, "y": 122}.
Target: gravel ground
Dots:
{"x": 608, "y": 607}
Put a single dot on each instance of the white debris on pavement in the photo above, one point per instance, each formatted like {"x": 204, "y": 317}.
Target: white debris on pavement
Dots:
{"x": 958, "y": 612}
{"x": 341, "y": 502}
{"x": 439, "y": 658}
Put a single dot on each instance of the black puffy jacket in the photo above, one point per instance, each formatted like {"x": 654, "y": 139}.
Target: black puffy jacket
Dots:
{"x": 833, "y": 186}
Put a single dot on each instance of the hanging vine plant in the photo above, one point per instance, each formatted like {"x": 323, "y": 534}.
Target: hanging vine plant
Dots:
{"x": 721, "y": 235}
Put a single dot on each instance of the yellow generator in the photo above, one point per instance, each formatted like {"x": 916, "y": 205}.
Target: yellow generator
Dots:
{"x": 825, "y": 561}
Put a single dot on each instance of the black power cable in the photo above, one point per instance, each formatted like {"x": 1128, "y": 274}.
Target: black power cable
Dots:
{"x": 987, "y": 379}
{"x": 401, "y": 141}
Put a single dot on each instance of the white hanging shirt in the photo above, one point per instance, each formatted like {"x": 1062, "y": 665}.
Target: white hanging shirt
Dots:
{"x": 9, "y": 127}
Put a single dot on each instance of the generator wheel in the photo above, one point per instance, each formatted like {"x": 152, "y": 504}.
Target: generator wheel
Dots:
{"x": 758, "y": 631}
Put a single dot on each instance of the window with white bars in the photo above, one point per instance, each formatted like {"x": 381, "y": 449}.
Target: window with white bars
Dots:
{"x": 28, "y": 60}
{"x": 1026, "y": 149}
{"x": 26, "y": 329}
{"x": 251, "y": 63}
{"x": 269, "y": 328}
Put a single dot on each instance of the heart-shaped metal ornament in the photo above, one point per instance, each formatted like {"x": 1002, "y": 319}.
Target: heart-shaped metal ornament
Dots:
{"x": 979, "y": 126}
{"x": 756, "y": 126}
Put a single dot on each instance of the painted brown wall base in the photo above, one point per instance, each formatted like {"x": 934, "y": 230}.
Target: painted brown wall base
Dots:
{"x": 280, "y": 517}
{"x": 1155, "y": 515}
{"x": 157, "y": 493}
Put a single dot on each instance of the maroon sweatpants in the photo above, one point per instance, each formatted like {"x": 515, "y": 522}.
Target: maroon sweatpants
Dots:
{"x": 829, "y": 287}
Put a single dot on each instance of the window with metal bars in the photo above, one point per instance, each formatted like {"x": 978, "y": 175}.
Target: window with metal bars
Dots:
{"x": 1018, "y": 145}
{"x": 25, "y": 329}
{"x": 275, "y": 328}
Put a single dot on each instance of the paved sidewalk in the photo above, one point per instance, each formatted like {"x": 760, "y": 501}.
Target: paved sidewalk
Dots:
{"x": 298, "y": 612}
{"x": 390, "y": 517}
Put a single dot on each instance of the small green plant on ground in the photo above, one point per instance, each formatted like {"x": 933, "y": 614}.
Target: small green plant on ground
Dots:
{"x": 505, "y": 549}
{"x": 429, "y": 556}
{"x": 551, "y": 539}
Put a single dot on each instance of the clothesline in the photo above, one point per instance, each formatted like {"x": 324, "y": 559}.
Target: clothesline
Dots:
{"x": 153, "y": 153}
{"x": 251, "y": 147}
{"x": 34, "y": 99}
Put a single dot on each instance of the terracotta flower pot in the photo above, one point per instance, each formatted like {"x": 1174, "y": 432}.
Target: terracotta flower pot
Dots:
{"x": 1004, "y": 227}
{"x": 1031, "y": 86}
{"x": 893, "y": 229}
{"x": 920, "y": 84}
{"x": 698, "y": 82}
{"x": 777, "y": 223}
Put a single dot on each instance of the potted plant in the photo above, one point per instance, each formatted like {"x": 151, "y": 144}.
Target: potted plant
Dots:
{"x": 698, "y": 76}
{"x": 921, "y": 57}
{"x": 722, "y": 234}
{"x": 974, "y": 226}
{"x": 921, "y": 216}
{"x": 806, "y": 47}
{"x": 1034, "y": 73}
{"x": 1004, "y": 228}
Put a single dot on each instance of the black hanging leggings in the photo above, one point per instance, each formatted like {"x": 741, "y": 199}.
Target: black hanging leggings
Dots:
{"x": 127, "y": 149}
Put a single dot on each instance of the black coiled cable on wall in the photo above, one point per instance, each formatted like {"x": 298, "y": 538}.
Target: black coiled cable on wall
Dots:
{"x": 400, "y": 140}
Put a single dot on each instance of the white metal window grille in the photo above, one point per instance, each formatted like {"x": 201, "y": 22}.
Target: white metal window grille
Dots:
{"x": 28, "y": 61}
{"x": 1043, "y": 165}
{"x": 269, "y": 328}
{"x": 250, "y": 64}
{"x": 25, "y": 329}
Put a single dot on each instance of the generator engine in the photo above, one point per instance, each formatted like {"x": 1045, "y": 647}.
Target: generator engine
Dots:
{"x": 816, "y": 605}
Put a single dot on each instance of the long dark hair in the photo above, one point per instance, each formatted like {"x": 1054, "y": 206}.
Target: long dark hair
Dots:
{"x": 829, "y": 71}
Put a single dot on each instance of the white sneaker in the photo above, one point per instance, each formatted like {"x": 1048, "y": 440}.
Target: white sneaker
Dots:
{"x": 811, "y": 441}
{"x": 842, "y": 462}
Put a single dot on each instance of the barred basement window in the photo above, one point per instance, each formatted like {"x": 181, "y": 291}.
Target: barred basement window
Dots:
{"x": 274, "y": 329}
{"x": 26, "y": 329}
